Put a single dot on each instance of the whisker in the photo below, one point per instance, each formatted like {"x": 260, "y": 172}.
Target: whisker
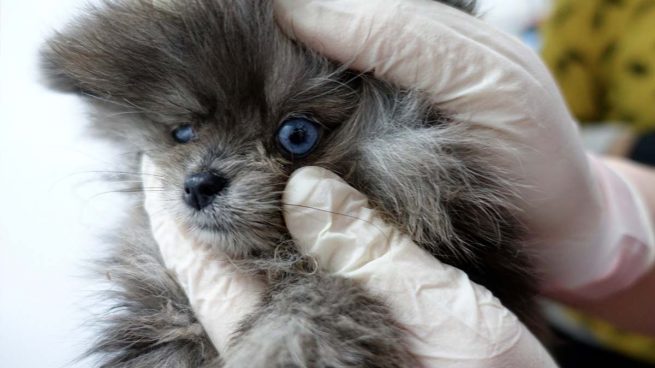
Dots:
{"x": 129, "y": 190}
{"x": 122, "y": 173}
{"x": 124, "y": 113}
{"x": 339, "y": 214}
{"x": 162, "y": 178}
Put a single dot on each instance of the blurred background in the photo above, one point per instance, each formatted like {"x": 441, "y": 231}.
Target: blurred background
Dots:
{"x": 53, "y": 205}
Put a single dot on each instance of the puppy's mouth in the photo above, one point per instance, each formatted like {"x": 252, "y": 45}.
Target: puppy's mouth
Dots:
{"x": 204, "y": 231}
{"x": 237, "y": 238}
{"x": 210, "y": 220}
{"x": 239, "y": 217}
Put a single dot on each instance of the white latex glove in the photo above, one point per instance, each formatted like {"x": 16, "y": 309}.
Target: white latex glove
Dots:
{"x": 451, "y": 321}
{"x": 587, "y": 224}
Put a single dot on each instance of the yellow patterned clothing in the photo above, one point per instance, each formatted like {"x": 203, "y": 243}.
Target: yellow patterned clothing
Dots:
{"x": 602, "y": 53}
{"x": 629, "y": 344}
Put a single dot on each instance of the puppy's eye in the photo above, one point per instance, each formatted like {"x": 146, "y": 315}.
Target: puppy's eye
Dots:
{"x": 298, "y": 137}
{"x": 184, "y": 133}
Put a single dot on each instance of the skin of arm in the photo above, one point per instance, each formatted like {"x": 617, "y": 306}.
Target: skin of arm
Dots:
{"x": 631, "y": 308}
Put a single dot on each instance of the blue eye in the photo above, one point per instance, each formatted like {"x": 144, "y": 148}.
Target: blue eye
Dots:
{"x": 298, "y": 136}
{"x": 184, "y": 133}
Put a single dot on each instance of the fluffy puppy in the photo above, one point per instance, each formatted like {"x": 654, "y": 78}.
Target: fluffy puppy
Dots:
{"x": 228, "y": 107}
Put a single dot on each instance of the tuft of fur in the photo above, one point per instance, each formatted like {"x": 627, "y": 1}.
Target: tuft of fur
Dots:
{"x": 150, "y": 323}
{"x": 224, "y": 67}
{"x": 314, "y": 320}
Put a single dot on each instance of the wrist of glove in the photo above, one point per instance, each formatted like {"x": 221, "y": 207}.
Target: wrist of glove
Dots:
{"x": 615, "y": 251}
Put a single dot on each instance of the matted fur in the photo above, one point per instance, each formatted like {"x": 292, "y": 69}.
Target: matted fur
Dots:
{"x": 225, "y": 67}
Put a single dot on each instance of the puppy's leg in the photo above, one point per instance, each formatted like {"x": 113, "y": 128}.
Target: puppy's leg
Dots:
{"x": 319, "y": 321}
{"x": 150, "y": 323}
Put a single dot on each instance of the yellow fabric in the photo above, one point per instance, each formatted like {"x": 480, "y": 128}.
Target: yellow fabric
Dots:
{"x": 602, "y": 53}
{"x": 629, "y": 344}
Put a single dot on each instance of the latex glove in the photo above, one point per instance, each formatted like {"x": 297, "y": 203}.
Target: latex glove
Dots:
{"x": 586, "y": 223}
{"x": 451, "y": 321}
{"x": 219, "y": 294}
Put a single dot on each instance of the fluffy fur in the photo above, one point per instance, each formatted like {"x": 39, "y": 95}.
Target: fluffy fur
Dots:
{"x": 224, "y": 67}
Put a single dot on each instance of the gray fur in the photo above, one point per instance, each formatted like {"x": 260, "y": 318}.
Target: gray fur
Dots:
{"x": 150, "y": 323}
{"x": 313, "y": 320}
{"x": 224, "y": 66}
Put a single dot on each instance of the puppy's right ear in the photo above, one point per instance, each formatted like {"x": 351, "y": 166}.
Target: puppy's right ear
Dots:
{"x": 52, "y": 70}
{"x": 88, "y": 54}
{"x": 116, "y": 49}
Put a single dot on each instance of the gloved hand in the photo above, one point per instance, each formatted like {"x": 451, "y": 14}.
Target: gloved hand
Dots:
{"x": 586, "y": 222}
{"x": 450, "y": 321}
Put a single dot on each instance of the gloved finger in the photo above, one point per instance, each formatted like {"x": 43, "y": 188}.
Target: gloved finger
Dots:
{"x": 220, "y": 294}
{"x": 452, "y": 322}
{"x": 424, "y": 45}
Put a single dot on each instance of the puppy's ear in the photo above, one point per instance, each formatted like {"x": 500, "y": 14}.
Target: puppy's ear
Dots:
{"x": 118, "y": 50}
{"x": 52, "y": 74}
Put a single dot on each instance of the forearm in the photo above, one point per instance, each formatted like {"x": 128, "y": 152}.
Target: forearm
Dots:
{"x": 630, "y": 308}
{"x": 640, "y": 176}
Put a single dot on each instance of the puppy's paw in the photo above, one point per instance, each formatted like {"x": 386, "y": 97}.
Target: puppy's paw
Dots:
{"x": 320, "y": 321}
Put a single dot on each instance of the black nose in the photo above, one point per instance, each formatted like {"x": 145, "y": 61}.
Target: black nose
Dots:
{"x": 200, "y": 189}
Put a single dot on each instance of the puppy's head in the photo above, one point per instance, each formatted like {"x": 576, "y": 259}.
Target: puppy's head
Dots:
{"x": 227, "y": 107}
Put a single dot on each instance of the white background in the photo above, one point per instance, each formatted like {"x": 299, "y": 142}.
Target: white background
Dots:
{"x": 51, "y": 206}
{"x": 51, "y": 210}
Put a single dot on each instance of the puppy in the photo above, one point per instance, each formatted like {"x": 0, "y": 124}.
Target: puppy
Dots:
{"x": 227, "y": 107}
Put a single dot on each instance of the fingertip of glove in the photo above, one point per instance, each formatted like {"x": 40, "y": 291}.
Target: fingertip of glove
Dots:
{"x": 303, "y": 182}
{"x": 315, "y": 198}
{"x": 317, "y": 187}
{"x": 312, "y": 172}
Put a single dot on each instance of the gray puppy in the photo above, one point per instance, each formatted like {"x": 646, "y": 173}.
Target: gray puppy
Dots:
{"x": 228, "y": 107}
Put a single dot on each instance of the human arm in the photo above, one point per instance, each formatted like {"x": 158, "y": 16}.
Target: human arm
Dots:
{"x": 585, "y": 222}
{"x": 631, "y": 308}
